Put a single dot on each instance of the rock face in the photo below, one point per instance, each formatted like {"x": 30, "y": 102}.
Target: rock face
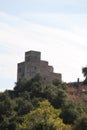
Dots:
{"x": 34, "y": 65}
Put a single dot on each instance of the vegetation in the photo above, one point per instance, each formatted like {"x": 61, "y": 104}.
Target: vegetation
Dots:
{"x": 45, "y": 117}
{"x": 84, "y": 71}
{"x": 81, "y": 123}
{"x": 35, "y": 105}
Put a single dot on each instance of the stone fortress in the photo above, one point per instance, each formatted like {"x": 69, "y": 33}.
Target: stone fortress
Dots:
{"x": 34, "y": 65}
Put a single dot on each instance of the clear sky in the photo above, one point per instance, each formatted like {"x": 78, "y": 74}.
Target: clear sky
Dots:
{"x": 57, "y": 28}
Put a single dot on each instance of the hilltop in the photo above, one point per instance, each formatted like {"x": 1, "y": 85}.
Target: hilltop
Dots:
{"x": 24, "y": 102}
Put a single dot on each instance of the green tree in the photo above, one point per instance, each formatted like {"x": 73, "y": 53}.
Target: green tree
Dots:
{"x": 81, "y": 123}
{"x": 72, "y": 110}
{"x": 60, "y": 99}
{"x": 7, "y": 112}
{"x": 59, "y": 84}
{"x": 45, "y": 117}
{"x": 23, "y": 106}
{"x": 84, "y": 71}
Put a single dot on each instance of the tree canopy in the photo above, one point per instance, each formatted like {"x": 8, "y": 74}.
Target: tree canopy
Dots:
{"x": 35, "y": 105}
{"x": 45, "y": 117}
{"x": 84, "y": 71}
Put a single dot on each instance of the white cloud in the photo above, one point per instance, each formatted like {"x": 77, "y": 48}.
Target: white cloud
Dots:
{"x": 65, "y": 49}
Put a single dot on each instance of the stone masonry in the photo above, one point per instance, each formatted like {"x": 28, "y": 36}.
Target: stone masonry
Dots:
{"x": 34, "y": 65}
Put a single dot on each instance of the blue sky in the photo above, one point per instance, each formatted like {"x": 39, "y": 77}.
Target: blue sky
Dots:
{"x": 57, "y": 28}
{"x": 57, "y": 6}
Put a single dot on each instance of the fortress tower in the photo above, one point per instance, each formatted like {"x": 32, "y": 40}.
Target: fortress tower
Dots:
{"x": 34, "y": 65}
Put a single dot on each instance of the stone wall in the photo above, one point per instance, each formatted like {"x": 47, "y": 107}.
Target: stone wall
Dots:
{"x": 33, "y": 65}
{"x": 20, "y": 70}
